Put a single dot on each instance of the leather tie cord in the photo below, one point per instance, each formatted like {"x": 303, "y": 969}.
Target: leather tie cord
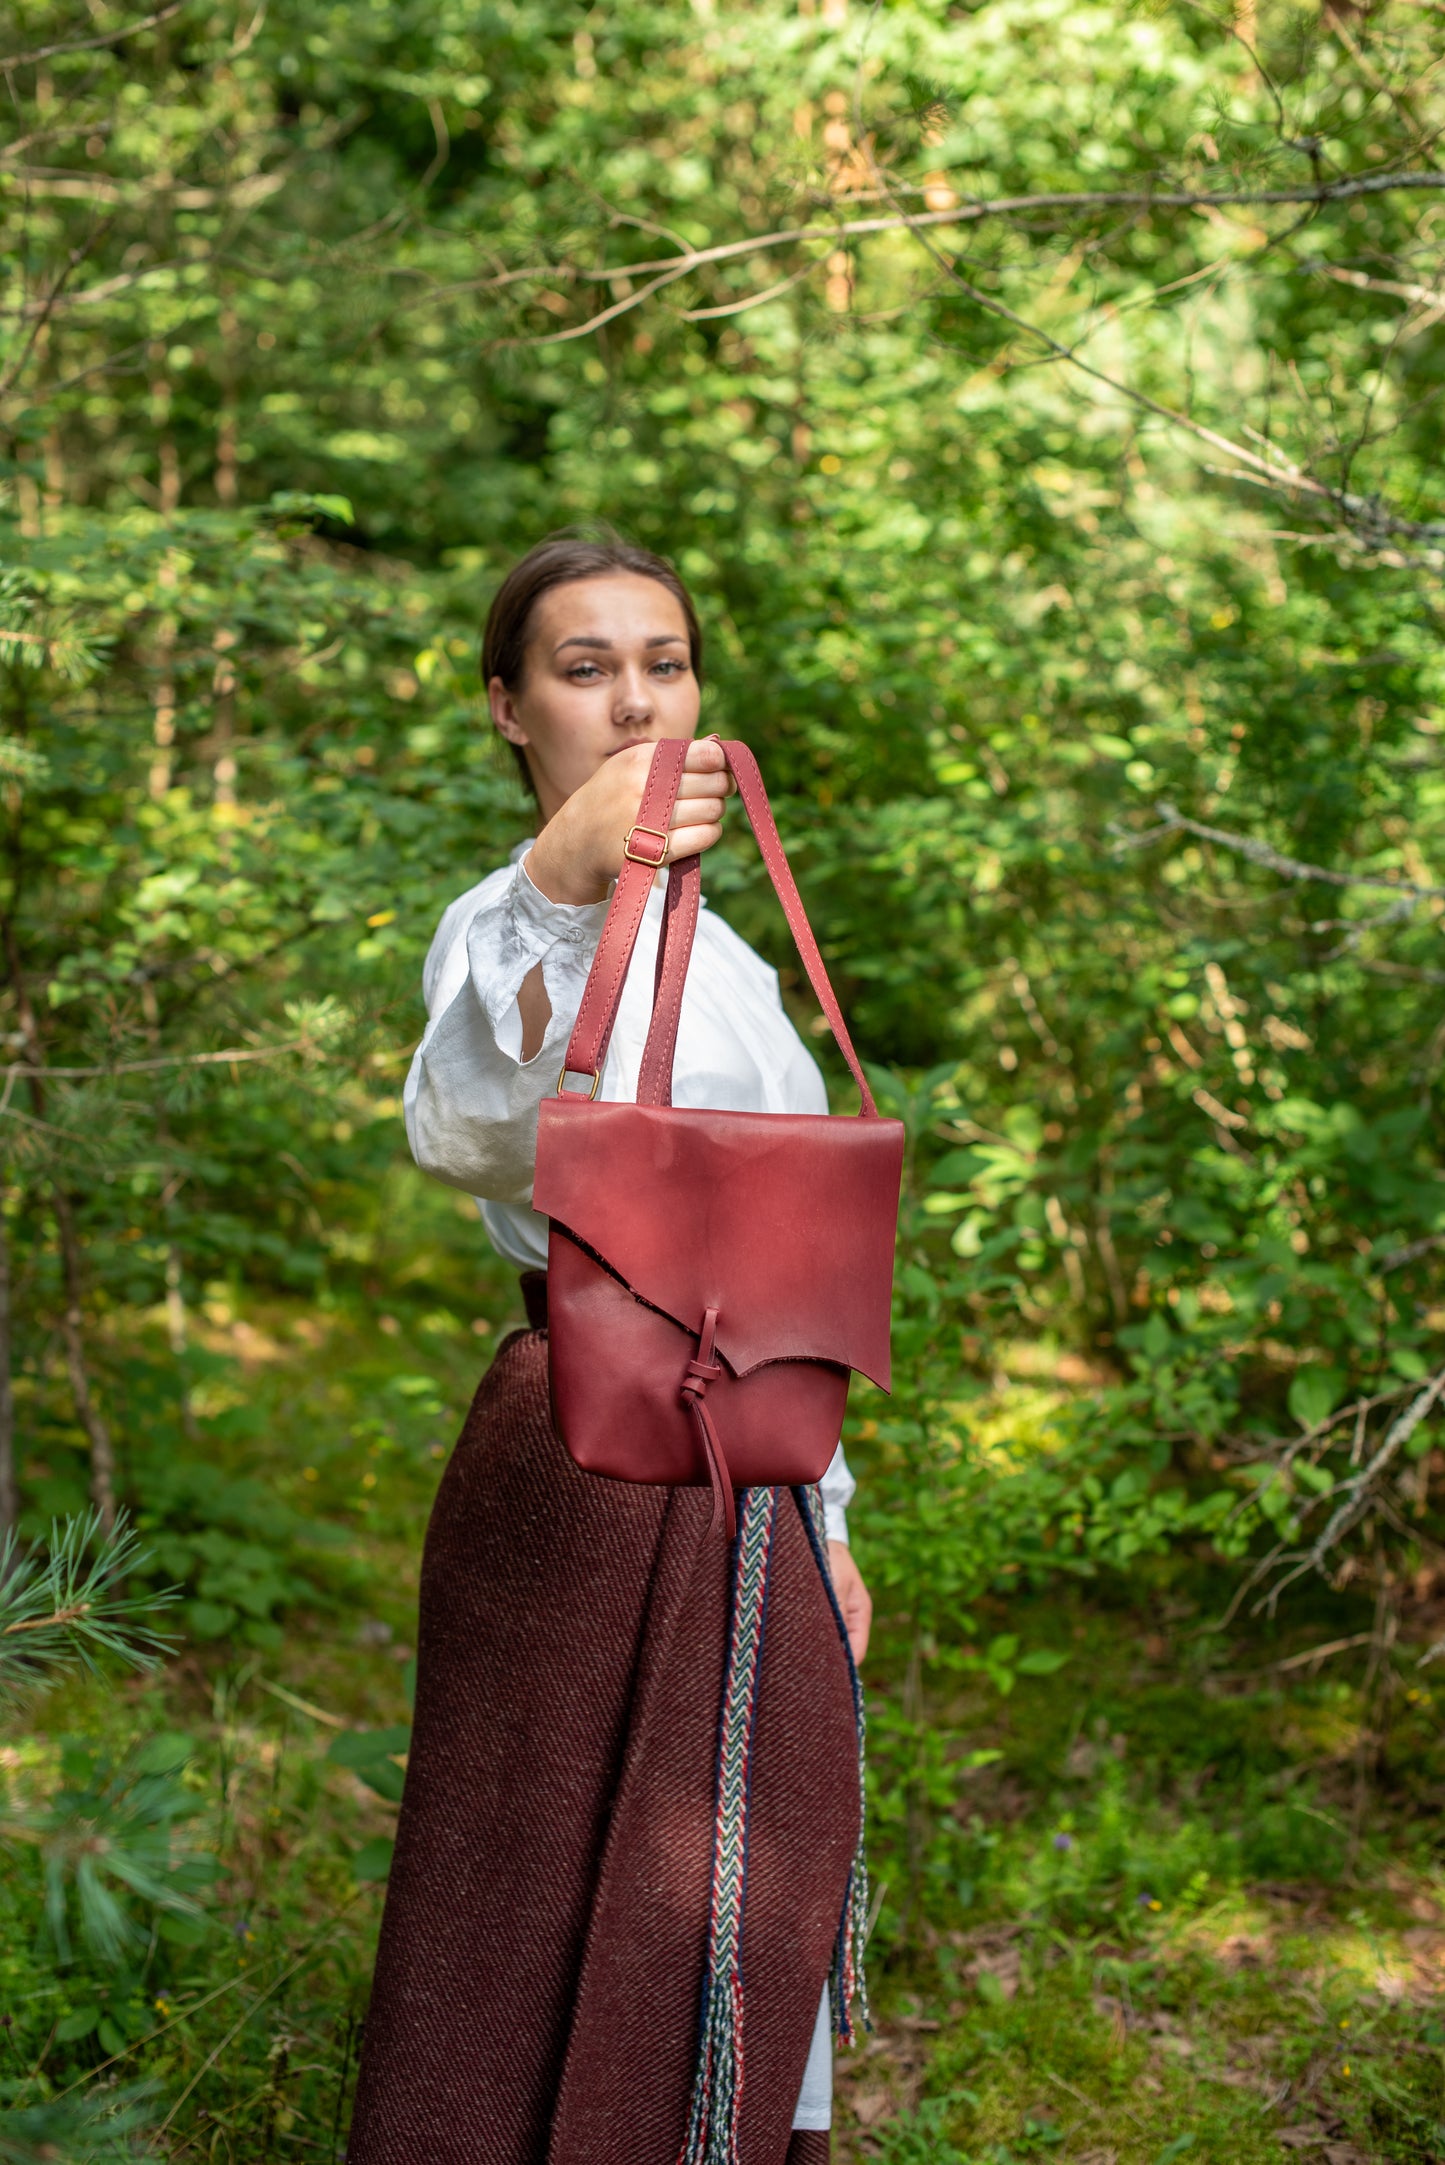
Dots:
{"x": 702, "y": 1370}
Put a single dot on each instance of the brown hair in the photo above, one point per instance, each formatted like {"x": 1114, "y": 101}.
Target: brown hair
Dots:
{"x": 557, "y": 561}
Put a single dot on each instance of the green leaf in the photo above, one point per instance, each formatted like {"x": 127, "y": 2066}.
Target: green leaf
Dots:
{"x": 373, "y": 1859}
{"x": 77, "y": 1765}
{"x": 1156, "y": 1340}
{"x": 1316, "y": 1478}
{"x": 1043, "y": 1661}
{"x": 166, "y": 1753}
{"x": 1313, "y": 1394}
{"x": 79, "y": 2024}
{"x": 364, "y": 1747}
{"x": 385, "y": 1777}
{"x": 1024, "y": 1129}
{"x": 182, "y": 1931}
{"x": 967, "y": 1238}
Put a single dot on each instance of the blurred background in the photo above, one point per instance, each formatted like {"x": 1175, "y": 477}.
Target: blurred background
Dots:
{"x": 1042, "y": 400}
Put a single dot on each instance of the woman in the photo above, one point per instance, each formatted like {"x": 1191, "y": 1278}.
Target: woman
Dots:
{"x": 546, "y": 1936}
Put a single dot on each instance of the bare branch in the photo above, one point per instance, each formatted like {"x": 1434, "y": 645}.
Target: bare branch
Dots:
{"x": 1410, "y": 1254}
{"x": 1371, "y": 522}
{"x": 1322, "y": 1653}
{"x": 972, "y": 212}
{"x": 1173, "y": 821}
{"x": 90, "y": 45}
{"x": 231, "y": 1056}
{"x": 1356, "y": 1491}
{"x": 751, "y": 300}
{"x": 619, "y": 308}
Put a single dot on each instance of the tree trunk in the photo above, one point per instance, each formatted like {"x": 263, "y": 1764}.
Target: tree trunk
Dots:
{"x": 102, "y": 1452}
{"x": 9, "y": 1489}
{"x": 163, "y": 759}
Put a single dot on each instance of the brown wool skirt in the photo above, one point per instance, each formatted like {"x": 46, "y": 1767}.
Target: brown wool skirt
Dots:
{"x": 538, "y": 1980}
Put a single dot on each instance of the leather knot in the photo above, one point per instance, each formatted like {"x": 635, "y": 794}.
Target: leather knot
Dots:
{"x": 699, "y": 1375}
{"x": 702, "y": 1370}
{"x": 704, "y": 1367}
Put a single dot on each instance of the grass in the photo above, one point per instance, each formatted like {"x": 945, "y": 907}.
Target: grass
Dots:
{"x": 1176, "y": 1900}
{"x": 1178, "y": 1925}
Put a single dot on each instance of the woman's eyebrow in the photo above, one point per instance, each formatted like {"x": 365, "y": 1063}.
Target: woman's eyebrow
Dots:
{"x": 600, "y": 640}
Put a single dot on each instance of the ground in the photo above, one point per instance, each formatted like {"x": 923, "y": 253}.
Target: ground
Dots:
{"x": 1175, "y": 1899}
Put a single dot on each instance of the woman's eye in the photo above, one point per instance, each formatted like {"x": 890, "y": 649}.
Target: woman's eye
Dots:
{"x": 670, "y": 668}
{"x": 584, "y": 672}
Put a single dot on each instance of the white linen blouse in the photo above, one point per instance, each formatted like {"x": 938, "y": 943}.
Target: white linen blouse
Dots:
{"x": 471, "y": 1099}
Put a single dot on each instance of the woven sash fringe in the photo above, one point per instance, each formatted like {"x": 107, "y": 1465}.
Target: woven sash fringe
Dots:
{"x": 713, "y": 2117}
{"x": 849, "y": 1979}
{"x": 712, "y": 2130}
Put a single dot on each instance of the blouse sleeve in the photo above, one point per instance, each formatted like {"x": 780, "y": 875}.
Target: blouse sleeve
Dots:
{"x": 837, "y": 1489}
{"x": 471, "y": 1099}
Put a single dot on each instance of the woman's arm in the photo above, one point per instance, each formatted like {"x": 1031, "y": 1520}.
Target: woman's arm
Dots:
{"x": 472, "y": 1095}
{"x": 502, "y": 1016}
{"x": 579, "y": 851}
{"x": 854, "y": 1598}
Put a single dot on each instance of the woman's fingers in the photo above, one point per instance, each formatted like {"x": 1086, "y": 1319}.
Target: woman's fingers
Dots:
{"x": 705, "y": 769}
{"x": 691, "y": 841}
{"x": 715, "y": 787}
{"x": 705, "y": 756}
{"x": 701, "y": 800}
{"x": 697, "y": 811}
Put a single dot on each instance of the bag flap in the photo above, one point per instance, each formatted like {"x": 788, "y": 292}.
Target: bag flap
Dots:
{"x": 783, "y": 1222}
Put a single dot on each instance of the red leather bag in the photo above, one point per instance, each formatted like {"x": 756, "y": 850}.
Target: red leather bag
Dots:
{"x": 713, "y": 1277}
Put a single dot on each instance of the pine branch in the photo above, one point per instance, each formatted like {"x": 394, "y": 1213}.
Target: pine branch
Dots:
{"x": 102, "y": 2129}
{"x": 61, "y": 1609}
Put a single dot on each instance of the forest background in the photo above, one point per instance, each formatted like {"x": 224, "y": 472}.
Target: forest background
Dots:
{"x": 1042, "y": 399}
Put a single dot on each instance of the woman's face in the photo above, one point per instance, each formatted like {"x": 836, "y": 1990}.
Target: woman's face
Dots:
{"x": 608, "y": 665}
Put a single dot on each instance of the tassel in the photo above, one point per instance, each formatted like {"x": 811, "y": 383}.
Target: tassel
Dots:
{"x": 712, "y": 2128}
{"x": 717, "y": 2095}
{"x": 849, "y": 1980}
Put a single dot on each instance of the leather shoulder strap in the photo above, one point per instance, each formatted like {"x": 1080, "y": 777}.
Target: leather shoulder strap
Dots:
{"x": 674, "y": 949}
{"x": 748, "y": 777}
{"x": 598, "y": 1012}
{"x": 592, "y": 1031}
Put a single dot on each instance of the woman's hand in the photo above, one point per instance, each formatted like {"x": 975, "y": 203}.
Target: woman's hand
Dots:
{"x": 580, "y": 848}
{"x": 854, "y": 1598}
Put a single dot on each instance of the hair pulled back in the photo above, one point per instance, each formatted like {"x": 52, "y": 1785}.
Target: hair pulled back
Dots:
{"x": 558, "y": 560}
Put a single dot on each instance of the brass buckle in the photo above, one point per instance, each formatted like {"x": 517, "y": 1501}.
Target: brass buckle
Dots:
{"x": 636, "y": 856}
{"x": 562, "y": 1090}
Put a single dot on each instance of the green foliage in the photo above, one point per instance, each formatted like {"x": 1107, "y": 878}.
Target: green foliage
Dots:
{"x": 62, "y": 1608}
{"x": 106, "y": 1834}
{"x": 987, "y": 629}
{"x": 89, "y": 2131}
{"x": 1074, "y": 569}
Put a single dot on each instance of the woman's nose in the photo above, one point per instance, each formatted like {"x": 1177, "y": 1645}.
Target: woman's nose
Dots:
{"x": 633, "y": 701}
